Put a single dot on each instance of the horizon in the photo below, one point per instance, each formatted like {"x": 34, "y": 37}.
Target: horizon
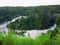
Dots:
{"x": 31, "y": 6}
{"x": 24, "y": 3}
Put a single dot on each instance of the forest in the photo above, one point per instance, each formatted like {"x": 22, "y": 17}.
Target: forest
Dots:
{"x": 9, "y": 13}
{"x": 52, "y": 37}
{"x": 41, "y": 17}
{"x": 37, "y": 18}
{"x": 37, "y": 22}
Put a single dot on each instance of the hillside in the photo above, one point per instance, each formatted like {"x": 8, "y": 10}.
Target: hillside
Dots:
{"x": 9, "y": 13}
{"x": 41, "y": 17}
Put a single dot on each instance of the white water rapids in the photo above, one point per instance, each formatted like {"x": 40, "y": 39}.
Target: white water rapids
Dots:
{"x": 32, "y": 33}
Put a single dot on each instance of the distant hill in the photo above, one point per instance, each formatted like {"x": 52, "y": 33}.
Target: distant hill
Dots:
{"x": 8, "y": 13}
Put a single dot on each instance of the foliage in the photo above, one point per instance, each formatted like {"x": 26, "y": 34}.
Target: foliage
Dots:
{"x": 32, "y": 22}
{"x": 43, "y": 39}
{"x": 10, "y": 39}
{"x": 9, "y": 13}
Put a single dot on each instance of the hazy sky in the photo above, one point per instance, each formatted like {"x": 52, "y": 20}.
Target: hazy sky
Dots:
{"x": 28, "y": 2}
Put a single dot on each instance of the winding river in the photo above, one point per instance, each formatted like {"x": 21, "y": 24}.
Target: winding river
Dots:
{"x": 33, "y": 33}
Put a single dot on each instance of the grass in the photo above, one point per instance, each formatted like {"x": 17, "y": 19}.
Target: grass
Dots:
{"x": 10, "y": 39}
{"x": 44, "y": 39}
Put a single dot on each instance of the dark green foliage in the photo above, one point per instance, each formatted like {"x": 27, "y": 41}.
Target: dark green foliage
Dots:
{"x": 8, "y": 13}
{"x": 31, "y": 22}
{"x": 50, "y": 38}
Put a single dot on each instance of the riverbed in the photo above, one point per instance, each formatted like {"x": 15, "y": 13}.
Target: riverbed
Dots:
{"x": 33, "y": 33}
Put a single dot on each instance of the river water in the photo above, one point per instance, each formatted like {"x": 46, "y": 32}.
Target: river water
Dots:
{"x": 33, "y": 33}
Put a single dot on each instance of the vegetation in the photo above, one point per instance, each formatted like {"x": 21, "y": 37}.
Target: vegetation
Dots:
{"x": 40, "y": 17}
{"x": 43, "y": 39}
{"x": 37, "y": 22}
{"x": 49, "y": 38}
{"x": 9, "y": 13}
{"x": 10, "y": 39}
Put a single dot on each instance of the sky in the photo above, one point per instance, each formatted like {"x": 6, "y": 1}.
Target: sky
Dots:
{"x": 28, "y": 2}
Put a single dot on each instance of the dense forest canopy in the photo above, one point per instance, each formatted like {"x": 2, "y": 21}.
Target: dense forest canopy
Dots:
{"x": 32, "y": 22}
{"x": 8, "y": 13}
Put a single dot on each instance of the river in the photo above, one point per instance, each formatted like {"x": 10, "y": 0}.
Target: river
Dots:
{"x": 33, "y": 33}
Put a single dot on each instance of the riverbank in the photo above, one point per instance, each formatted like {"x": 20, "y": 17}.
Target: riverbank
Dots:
{"x": 32, "y": 33}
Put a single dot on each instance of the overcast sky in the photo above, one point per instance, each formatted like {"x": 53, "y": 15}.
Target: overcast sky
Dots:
{"x": 28, "y": 2}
